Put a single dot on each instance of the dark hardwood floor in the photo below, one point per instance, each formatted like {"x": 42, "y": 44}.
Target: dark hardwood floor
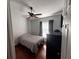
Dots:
{"x": 24, "y": 53}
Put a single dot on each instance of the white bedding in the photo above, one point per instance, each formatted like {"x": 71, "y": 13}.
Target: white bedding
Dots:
{"x": 31, "y": 41}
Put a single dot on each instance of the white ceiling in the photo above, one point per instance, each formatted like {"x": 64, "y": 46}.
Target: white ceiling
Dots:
{"x": 46, "y": 7}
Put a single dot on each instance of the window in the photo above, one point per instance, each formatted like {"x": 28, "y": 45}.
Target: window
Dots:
{"x": 45, "y": 29}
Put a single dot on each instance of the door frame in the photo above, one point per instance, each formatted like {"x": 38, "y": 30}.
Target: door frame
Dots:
{"x": 10, "y": 41}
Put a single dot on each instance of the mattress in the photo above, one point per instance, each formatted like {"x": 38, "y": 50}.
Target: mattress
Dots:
{"x": 31, "y": 41}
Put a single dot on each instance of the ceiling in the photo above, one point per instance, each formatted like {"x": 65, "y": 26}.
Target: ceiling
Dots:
{"x": 46, "y": 7}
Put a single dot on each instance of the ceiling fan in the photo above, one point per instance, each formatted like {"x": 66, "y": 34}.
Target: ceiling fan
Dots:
{"x": 30, "y": 15}
{"x": 33, "y": 15}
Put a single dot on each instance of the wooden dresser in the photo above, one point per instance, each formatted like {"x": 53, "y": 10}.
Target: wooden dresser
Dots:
{"x": 53, "y": 45}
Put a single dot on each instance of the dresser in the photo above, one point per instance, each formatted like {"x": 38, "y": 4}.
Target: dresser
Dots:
{"x": 53, "y": 46}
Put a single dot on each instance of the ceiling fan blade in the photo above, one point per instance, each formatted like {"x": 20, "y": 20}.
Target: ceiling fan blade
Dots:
{"x": 28, "y": 18}
{"x": 25, "y": 16}
{"x": 35, "y": 16}
{"x": 38, "y": 14}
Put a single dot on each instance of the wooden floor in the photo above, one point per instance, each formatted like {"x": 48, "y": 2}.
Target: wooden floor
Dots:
{"x": 23, "y": 53}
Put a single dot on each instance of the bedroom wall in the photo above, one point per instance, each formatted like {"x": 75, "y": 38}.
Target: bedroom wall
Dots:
{"x": 57, "y": 21}
{"x": 35, "y": 27}
{"x": 19, "y": 23}
{"x": 35, "y": 23}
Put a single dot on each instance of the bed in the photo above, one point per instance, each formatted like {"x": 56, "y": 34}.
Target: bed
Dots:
{"x": 31, "y": 41}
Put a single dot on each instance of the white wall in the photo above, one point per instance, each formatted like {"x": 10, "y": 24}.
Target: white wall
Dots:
{"x": 19, "y": 23}
{"x": 35, "y": 23}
